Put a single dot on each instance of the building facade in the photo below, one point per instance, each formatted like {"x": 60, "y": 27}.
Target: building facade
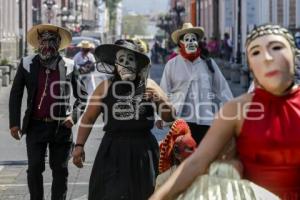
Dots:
{"x": 17, "y": 17}
{"x": 14, "y": 23}
{"x": 238, "y": 17}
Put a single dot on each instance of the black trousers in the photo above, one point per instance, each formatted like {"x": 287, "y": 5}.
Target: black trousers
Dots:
{"x": 198, "y": 131}
{"x": 41, "y": 135}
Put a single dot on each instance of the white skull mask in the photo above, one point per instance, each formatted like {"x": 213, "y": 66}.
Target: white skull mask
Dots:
{"x": 126, "y": 65}
{"x": 190, "y": 42}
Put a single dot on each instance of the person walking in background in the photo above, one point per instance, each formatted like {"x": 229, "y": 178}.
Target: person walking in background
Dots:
{"x": 126, "y": 164}
{"x": 264, "y": 124}
{"x": 85, "y": 64}
{"x": 48, "y": 119}
{"x": 297, "y": 40}
{"x": 155, "y": 52}
{"x": 227, "y": 47}
{"x": 213, "y": 47}
{"x": 172, "y": 53}
{"x": 194, "y": 83}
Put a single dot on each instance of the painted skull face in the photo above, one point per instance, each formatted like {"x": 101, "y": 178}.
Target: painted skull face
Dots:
{"x": 190, "y": 42}
{"x": 48, "y": 44}
{"x": 126, "y": 65}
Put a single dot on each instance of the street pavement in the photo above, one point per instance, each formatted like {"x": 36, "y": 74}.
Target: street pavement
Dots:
{"x": 13, "y": 160}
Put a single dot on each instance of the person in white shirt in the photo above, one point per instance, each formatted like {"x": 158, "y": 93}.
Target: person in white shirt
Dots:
{"x": 195, "y": 85}
{"x": 85, "y": 63}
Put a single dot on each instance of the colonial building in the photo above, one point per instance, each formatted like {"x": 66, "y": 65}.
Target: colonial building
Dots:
{"x": 14, "y": 21}
{"x": 238, "y": 17}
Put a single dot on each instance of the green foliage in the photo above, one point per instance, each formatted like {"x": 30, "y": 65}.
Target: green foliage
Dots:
{"x": 4, "y": 61}
{"x": 134, "y": 25}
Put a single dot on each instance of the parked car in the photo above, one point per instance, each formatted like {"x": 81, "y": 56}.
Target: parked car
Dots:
{"x": 72, "y": 49}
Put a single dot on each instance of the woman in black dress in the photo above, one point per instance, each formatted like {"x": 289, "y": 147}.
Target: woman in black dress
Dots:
{"x": 126, "y": 164}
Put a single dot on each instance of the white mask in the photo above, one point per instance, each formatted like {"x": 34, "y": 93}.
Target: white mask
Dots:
{"x": 190, "y": 42}
{"x": 126, "y": 65}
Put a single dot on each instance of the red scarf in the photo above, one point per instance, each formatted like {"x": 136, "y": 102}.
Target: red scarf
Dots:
{"x": 192, "y": 56}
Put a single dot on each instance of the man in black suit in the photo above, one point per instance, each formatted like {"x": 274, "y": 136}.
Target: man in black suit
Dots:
{"x": 49, "y": 79}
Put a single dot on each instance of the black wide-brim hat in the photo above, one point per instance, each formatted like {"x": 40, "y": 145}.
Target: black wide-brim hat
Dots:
{"x": 106, "y": 53}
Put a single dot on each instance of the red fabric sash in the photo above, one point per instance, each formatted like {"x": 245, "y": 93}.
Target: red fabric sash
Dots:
{"x": 192, "y": 56}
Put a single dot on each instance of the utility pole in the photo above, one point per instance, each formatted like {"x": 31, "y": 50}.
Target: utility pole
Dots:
{"x": 26, "y": 27}
{"x": 199, "y": 13}
{"x": 20, "y": 29}
{"x": 239, "y": 33}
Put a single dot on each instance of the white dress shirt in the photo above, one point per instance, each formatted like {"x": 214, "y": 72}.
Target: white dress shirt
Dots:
{"x": 193, "y": 89}
{"x": 88, "y": 79}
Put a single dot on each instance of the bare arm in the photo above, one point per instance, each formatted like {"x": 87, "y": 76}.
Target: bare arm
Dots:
{"x": 88, "y": 119}
{"x": 164, "y": 108}
{"x": 221, "y": 131}
{"x": 92, "y": 112}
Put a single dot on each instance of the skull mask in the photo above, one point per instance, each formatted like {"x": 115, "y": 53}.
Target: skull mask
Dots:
{"x": 190, "y": 42}
{"x": 126, "y": 65}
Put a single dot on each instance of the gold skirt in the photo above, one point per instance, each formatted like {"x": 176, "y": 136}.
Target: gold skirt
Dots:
{"x": 224, "y": 183}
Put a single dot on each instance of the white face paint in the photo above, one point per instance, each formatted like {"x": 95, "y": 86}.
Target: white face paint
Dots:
{"x": 126, "y": 65}
{"x": 190, "y": 42}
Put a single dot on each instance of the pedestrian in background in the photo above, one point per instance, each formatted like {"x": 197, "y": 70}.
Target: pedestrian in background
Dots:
{"x": 297, "y": 40}
{"x": 48, "y": 119}
{"x": 85, "y": 64}
{"x": 213, "y": 47}
{"x": 227, "y": 47}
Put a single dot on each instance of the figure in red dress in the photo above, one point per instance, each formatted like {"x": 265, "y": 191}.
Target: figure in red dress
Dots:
{"x": 265, "y": 123}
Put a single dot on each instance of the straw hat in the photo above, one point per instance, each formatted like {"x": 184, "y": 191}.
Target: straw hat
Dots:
{"x": 32, "y": 35}
{"x": 86, "y": 45}
{"x": 106, "y": 53}
{"x": 187, "y": 28}
{"x": 141, "y": 44}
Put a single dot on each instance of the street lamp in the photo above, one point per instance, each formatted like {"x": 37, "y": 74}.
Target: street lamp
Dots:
{"x": 64, "y": 16}
{"x": 165, "y": 23}
{"x": 79, "y": 9}
{"x": 48, "y": 4}
{"x": 239, "y": 34}
{"x": 179, "y": 12}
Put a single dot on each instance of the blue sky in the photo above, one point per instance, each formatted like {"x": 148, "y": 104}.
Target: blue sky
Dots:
{"x": 145, "y": 6}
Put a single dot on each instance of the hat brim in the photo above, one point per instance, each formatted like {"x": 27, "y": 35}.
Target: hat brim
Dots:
{"x": 107, "y": 53}
{"x": 178, "y": 33}
{"x": 86, "y": 47}
{"x": 65, "y": 35}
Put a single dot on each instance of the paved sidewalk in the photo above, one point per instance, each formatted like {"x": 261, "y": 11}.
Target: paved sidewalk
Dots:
{"x": 13, "y": 183}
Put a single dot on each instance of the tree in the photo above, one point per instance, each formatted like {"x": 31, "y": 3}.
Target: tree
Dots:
{"x": 134, "y": 25}
{"x": 112, "y": 7}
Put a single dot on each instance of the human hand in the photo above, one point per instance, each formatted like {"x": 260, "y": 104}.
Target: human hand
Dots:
{"x": 78, "y": 156}
{"x": 159, "y": 124}
{"x": 68, "y": 122}
{"x": 15, "y": 132}
{"x": 153, "y": 92}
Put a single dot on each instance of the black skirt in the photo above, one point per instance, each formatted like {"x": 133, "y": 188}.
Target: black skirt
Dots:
{"x": 125, "y": 167}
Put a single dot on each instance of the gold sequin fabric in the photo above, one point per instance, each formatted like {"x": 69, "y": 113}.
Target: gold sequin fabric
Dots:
{"x": 223, "y": 182}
